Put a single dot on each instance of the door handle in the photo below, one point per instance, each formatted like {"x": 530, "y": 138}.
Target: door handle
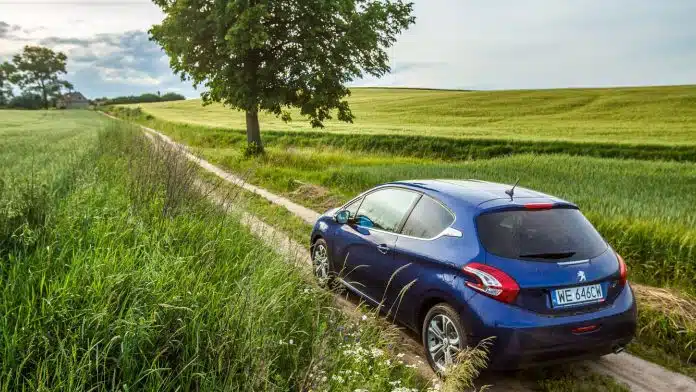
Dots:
{"x": 383, "y": 248}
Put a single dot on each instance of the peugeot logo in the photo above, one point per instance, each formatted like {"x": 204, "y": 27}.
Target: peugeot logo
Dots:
{"x": 581, "y": 276}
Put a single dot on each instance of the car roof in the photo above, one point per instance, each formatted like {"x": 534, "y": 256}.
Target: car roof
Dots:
{"x": 478, "y": 195}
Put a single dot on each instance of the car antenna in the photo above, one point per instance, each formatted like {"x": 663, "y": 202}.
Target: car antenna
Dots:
{"x": 511, "y": 192}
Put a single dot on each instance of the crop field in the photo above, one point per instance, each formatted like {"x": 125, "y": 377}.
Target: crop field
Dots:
{"x": 641, "y": 202}
{"x": 647, "y": 115}
{"x": 115, "y": 274}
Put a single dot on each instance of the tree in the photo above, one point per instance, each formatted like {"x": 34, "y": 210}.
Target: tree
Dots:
{"x": 38, "y": 70}
{"x": 27, "y": 100}
{"x": 6, "y": 73}
{"x": 271, "y": 55}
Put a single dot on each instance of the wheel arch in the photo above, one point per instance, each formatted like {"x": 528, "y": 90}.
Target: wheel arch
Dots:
{"x": 315, "y": 238}
{"x": 432, "y": 298}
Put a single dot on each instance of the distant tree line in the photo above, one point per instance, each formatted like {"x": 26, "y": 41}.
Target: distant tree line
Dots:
{"x": 143, "y": 98}
{"x": 36, "y": 72}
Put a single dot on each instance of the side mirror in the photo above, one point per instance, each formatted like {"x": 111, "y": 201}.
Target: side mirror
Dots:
{"x": 342, "y": 217}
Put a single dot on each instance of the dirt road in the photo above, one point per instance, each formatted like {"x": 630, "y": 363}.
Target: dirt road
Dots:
{"x": 638, "y": 374}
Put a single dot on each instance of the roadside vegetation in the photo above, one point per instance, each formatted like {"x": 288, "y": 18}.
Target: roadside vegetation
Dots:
{"x": 116, "y": 274}
{"x": 641, "y": 204}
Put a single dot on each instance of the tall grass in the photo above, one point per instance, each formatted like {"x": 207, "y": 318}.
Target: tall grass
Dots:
{"x": 133, "y": 281}
{"x": 667, "y": 330}
{"x": 40, "y": 153}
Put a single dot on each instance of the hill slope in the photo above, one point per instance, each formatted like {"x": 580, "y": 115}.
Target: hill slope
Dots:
{"x": 644, "y": 115}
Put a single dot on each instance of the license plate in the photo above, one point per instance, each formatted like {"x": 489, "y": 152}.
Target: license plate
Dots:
{"x": 577, "y": 295}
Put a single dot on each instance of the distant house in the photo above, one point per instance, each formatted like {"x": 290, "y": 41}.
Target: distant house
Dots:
{"x": 72, "y": 101}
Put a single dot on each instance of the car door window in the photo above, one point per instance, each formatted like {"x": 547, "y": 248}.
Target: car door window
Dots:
{"x": 428, "y": 219}
{"x": 385, "y": 209}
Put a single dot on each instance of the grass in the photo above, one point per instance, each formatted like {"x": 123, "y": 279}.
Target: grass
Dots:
{"x": 667, "y": 330}
{"x": 643, "y": 205}
{"x": 648, "y": 115}
{"x": 574, "y": 379}
{"x": 38, "y": 154}
{"x": 117, "y": 275}
{"x": 657, "y": 239}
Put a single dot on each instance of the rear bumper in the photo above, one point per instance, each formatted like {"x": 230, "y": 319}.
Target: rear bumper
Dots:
{"x": 524, "y": 339}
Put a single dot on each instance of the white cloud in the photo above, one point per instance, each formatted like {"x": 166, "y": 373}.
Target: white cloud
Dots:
{"x": 477, "y": 44}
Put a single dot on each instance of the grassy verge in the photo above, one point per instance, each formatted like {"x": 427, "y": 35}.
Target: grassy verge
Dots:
{"x": 572, "y": 378}
{"x": 277, "y": 216}
{"x": 667, "y": 330}
{"x": 130, "y": 280}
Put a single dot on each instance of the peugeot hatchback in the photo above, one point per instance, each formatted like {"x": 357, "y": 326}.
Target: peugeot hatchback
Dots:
{"x": 460, "y": 261}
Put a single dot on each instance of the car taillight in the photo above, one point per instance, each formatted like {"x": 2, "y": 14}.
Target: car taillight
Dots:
{"x": 538, "y": 206}
{"x": 492, "y": 282}
{"x": 623, "y": 271}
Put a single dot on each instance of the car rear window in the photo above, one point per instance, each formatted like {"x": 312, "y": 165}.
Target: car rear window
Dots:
{"x": 559, "y": 234}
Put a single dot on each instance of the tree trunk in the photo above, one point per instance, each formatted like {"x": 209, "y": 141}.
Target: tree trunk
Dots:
{"x": 254, "y": 131}
{"x": 45, "y": 98}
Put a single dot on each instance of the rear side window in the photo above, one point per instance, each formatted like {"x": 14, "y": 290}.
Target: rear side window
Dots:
{"x": 560, "y": 234}
{"x": 385, "y": 209}
{"x": 428, "y": 219}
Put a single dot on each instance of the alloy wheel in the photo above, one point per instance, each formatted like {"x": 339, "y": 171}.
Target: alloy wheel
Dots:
{"x": 321, "y": 263}
{"x": 443, "y": 341}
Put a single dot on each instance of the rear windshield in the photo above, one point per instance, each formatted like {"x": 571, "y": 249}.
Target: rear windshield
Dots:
{"x": 560, "y": 234}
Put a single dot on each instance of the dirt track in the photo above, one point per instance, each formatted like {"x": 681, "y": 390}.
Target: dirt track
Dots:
{"x": 638, "y": 374}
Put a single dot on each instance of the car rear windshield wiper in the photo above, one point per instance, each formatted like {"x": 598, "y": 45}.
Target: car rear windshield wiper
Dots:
{"x": 556, "y": 255}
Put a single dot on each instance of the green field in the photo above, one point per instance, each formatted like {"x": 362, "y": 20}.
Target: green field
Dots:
{"x": 642, "y": 203}
{"x": 115, "y": 274}
{"x": 647, "y": 115}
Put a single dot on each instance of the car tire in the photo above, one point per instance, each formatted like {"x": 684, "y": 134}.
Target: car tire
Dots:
{"x": 453, "y": 340}
{"x": 321, "y": 263}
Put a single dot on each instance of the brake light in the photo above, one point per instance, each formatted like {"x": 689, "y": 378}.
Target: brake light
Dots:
{"x": 538, "y": 206}
{"x": 492, "y": 282}
{"x": 623, "y": 270}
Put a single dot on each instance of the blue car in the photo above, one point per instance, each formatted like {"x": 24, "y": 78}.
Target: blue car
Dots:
{"x": 461, "y": 261}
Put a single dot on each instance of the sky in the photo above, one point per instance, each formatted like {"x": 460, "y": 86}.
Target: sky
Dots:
{"x": 455, "y": 44}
